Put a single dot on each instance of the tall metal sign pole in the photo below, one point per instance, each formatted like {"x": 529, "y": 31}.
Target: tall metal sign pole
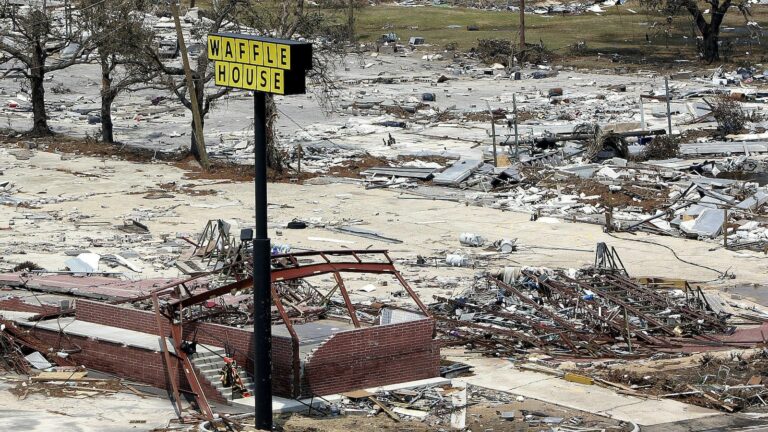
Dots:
{"x": 262, "y": 65}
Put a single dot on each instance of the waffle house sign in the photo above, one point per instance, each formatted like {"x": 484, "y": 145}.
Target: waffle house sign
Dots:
{"x": 259, "y": 64}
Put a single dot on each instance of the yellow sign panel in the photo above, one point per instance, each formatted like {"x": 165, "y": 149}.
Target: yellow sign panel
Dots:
{"x": 259, "y": 64}
{"x": 255, "y": 53}
{"x": 255, "y": 49}
{"x": 248, "y": 77}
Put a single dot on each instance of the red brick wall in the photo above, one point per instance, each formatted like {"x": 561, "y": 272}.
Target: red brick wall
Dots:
{"x": 18, "y": 305}
{"x": 372, "y": 357}
{"x": 282, "y": 368}
{"x": 131, "y": 363}
{"x": 349, "y": 360}
{"x": 239, "y": 342}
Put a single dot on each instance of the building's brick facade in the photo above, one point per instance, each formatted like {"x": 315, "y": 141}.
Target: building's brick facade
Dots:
{"x": 347, "y": 360}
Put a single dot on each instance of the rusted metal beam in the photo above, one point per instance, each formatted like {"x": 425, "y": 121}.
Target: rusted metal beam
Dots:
{"x": 325, "y": 268}
{"x": 602, "y": 292}
{"x": 203, "y": 296}
{"x": 189, "y": 372}
{"x": 347, "y": 301}
{"x": 48, "y": 315}
{"x": 166, "y": 354}
{"x": 352, "y": 253}
{"x": 412, "y": 293}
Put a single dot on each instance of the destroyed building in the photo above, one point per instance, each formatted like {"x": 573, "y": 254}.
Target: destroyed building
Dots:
{"x": 319, "y": 346}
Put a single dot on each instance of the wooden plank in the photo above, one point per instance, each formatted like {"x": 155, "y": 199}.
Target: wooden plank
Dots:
{"x": 134, "y": 391}
{"x": 92, "y": 389}
{"x": 357, "y": 394}
{"x": 580, "y": 379}
{"x": 58, "y": 376}
{"x": 36, "y": 379}
{"x": 385, "y": 409}
{"x": 711, "y": 398}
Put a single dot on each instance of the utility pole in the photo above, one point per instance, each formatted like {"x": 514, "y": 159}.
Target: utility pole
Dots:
{"x": 493, "y": 133}
{"x": 351, "y": 16}
{"x": 669, "y": 110}
{"x": 262, "y": 279}
{"x": 517, "y": 142}
{"x": 522, "y": 25}
{"x": 294, "y": 62}
{"x": 66, "y": 19}
{"x": 196, "y": 117}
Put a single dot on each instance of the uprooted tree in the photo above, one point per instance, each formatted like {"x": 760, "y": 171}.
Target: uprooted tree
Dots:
{"x": 121, "y": 35}
{"x": 728, "y": 114}
{"x": 37, "y": 42}
{"x": 698, "y": 9}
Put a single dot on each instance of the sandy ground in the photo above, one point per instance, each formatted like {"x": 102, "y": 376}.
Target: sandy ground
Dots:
{"x": 119, "y": 412}
{"x": 77, "y": 201}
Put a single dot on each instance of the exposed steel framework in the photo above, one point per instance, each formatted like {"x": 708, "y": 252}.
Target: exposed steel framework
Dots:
{"x": 285, "y": 268}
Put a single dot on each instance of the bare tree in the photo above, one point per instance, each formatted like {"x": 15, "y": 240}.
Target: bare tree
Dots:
{"x": 290, "y": 20}
{"x": 173, "y": 78}
{"x": 121, "y": 37}
{"x": 709, "y": 30}
{"x": 35, "y": 35}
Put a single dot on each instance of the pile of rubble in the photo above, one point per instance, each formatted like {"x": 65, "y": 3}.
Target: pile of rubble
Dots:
{"x": 432, "y": 404}
{"x": 729, "y": 383}
{"x": 597, "y": 312}
{"x": 447, "y": 405}
{"x": 621, "y": 195}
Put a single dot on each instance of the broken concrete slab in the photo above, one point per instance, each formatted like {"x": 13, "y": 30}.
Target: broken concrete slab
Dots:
{"x": 457, "y": 172}
{"x": 407, "y": 172}
{"x": 499, "y": 374}
{"x": 708, "y": 224}
{"x": 753, "y": 202}
{"x": 85, "y": 263}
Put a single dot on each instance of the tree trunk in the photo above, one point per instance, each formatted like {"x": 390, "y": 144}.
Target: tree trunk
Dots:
{"x": 193, "y": 141}
{"x": 200, "y": 91}
{"x": 711, "y": 49}
{"x": 106, "y": 117}
{"x": 107, "y": 97}
{"x": 40, "y": 122}
{"x": 275, "y": 158}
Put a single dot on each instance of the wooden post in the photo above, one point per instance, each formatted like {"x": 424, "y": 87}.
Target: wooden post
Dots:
{"x": 493, "y": 134}
{"x": 517, "y": 142}
{"x": 199, "y": 139}
{"x": 725, "y": 227}
{"x": 629, "y": 335}
{"x": 669, "y": 111}
{"x": 299, "y": 154}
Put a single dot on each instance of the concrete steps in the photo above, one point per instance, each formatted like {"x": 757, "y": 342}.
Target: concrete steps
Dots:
{"x": 208, "y": 360}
